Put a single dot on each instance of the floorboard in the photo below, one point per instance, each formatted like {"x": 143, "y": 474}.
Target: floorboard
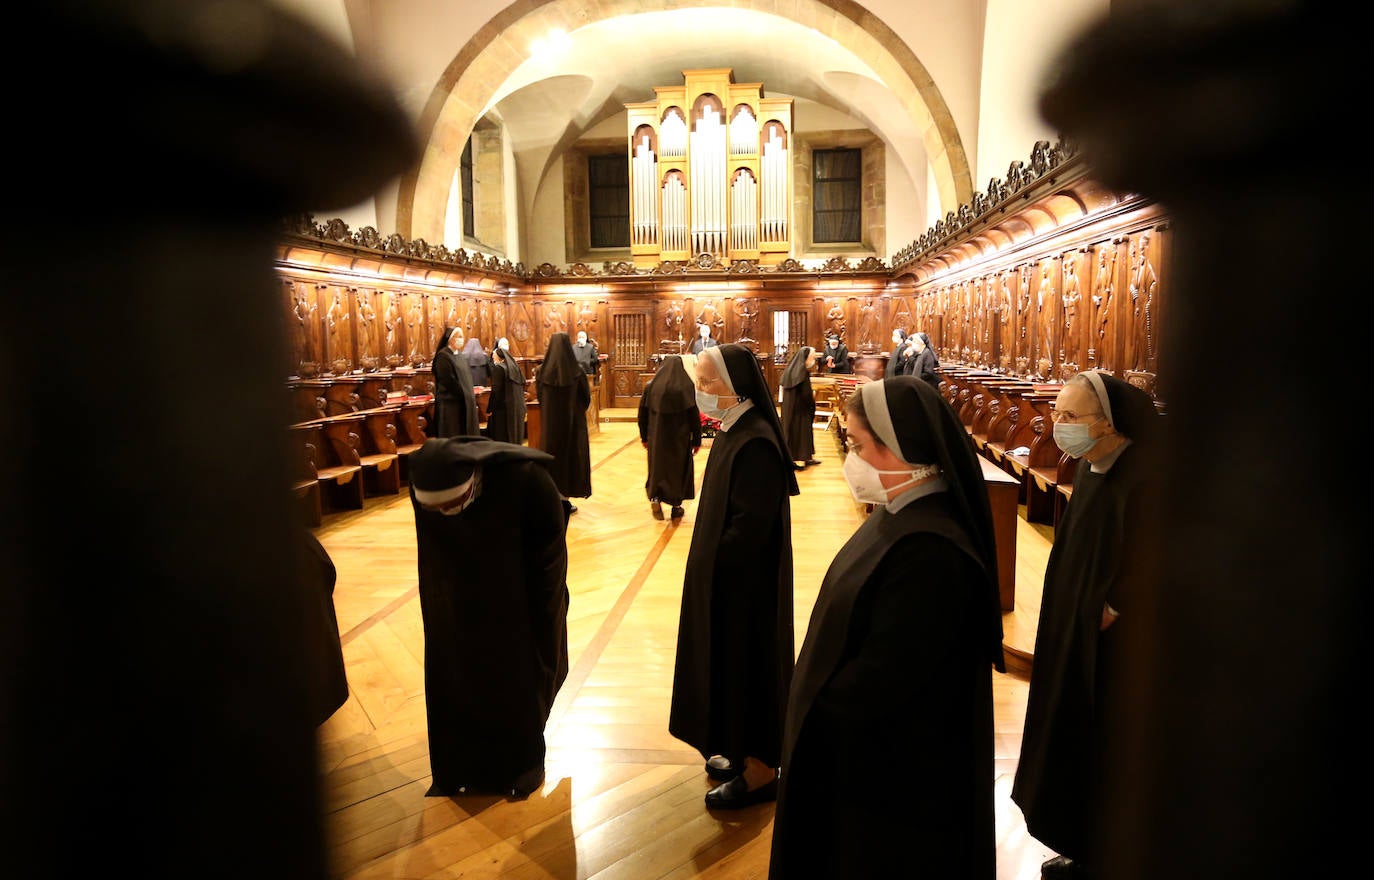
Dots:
{"x": 622, "y": 799}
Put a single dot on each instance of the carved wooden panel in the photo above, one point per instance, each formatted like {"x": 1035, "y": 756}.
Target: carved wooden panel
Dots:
{"x": 748, "y": 326}
{"x": 304, "y": 345}
{"x": 1102, "y": 329}
{"x": 836, "y": 319}
{"x": 393, "y": 352}
{"x": 709, "y": 311}
{"x": 340, "y": 354}
{"x": 1004, "y": 307}
{"x": 1076, "y": 314}
{"x": 870, "y": 326}
{"x": 420, "y": 344}
{"x": 675, "y": 332}
{"x": 499, "y": 323}
{"x": 1140, "y": 320}
{"x": 1047, "y": 309}
{"x": 368, "y": 328}
{"x": 520, "y": 330}
{"x": 1023, "y": 355}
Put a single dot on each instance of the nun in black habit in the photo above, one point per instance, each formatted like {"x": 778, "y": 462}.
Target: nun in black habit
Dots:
{"x": 455, "y": 405}
{"x": 670, "y": 431}
{"x": 799, "y": 407}
{"x": 328, "y": 676}
{"x": 476, "y": 359}
{"x": 493, "y": 561}
{"x": 564, "y": 396}
{"x": 734, "y": 645}
{"x": 506, "y": 403}
{"x": 925, "y": 363}
{"x": 887, "y": 762}
{"x": 897, "y": 361}
{"x": 1093, "y": 579}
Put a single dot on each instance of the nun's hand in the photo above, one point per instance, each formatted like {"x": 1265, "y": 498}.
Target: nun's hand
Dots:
{"x": 696, "y": 449}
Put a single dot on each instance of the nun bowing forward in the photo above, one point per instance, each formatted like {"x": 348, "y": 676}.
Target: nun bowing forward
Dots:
{"x": 887, "y": 754}
{"x": 734, "y": 645}
{"x": 670, "y": 431}
{"x": 564, "y": 396}
{"x": 493, "y": 562}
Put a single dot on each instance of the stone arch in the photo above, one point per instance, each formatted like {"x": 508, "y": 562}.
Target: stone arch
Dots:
{"x": 489, "y": 59}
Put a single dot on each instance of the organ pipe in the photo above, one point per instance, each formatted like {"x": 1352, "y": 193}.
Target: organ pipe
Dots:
{"x": 710, "y": 170}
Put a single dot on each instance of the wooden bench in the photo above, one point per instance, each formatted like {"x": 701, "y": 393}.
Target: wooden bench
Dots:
{"x": 380, "y": 460}
{"x": 305, "y": 476}
{"x": 1003, "y": 491}
{"x": 1042, "y": 491}
{"x": 411, "y": 420}
{"x": 1002, "y": 427}
{"x": 341, "y": 395}
{"x": 339, "y": 472}
{"x": 307, "y": 399}
{"x": 991, "y": 422}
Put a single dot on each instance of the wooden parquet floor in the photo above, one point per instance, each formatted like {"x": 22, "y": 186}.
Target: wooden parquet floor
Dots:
{"x": 622, "y": 799}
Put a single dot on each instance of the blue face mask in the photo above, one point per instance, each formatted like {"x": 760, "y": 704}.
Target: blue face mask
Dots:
{"x": 1074, "y": 438}
{"x": 710, "y": 404}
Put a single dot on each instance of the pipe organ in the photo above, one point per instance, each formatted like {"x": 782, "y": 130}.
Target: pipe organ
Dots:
{"x": 710, "y": 172}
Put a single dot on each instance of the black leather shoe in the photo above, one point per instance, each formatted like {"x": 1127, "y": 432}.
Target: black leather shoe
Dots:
{"x": 811, "y": 461}
{"x": 656, "y": 509}
{"x": 735, "y": 794}
{"x": 572, "y": 508}
{"x": 678, "y": 513}
{"x": 1063, "y": 868}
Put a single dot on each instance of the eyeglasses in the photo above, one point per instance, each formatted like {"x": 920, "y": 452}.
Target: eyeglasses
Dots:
{"x": 703, "y": 380}
{"x": 1071, "y": 416}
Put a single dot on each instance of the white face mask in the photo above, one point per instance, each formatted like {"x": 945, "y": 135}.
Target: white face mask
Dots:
{"x": 865, "y": 481}
{"x": 709, "y": 404}
{"x": 704, "y": 331}
{"x": 581, "y": 339}
{"x": 1075, "y": 439}
{"x": 896, "y": 340}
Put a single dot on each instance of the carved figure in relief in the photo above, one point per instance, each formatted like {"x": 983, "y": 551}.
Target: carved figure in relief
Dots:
{"x": 712, "y": 318}
{"x": 981, "y": 332}
{"x": 336, "y": 320}
{"x": 415, "y": 324}
{"x": 868, "y": 326}
{"x": 1023, "y": 307}
{"x": 835, "y": 319}
{"x": 1071, "y": 297}
{"x": 672, "y": 340}
{"x": 1144, "y": 284}
{"x": 303, "y": 313}
{"x": 554, "y": 322}
{"x": 1104, "y": 284}
{"x": 367, "y": 318}
{"x": 1004, "y": 315}
{"x": 391, "y": 318}
{"x": 1044, "y": 306}
{"x": 746, "y": 310}
{"x": 586, "y": 319}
